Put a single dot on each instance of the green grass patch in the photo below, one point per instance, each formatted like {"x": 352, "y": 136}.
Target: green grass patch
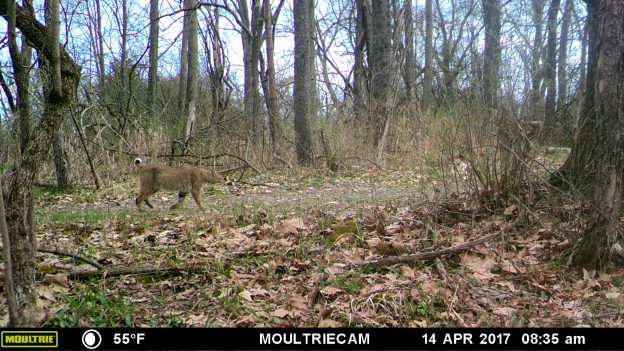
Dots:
{"x": 93, "y": 305}
{"x": 87, "y": 216}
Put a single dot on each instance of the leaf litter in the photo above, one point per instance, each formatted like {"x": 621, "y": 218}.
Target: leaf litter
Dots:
{"x": 292, "y": 255}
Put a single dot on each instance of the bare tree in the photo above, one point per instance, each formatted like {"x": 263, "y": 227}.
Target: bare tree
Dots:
{"x": 251, "y": 34}
{"x": 428, "y": 79}
{"x": 304, "y": 88}
{"x": 193, "y": 68}
{"x": 550, "y": 69}
{"x": 409, "y": 70}
{"x": 579, "y": 169}
{"x": 536, "y": 52}
{"x": 271, "y": 89}
{"x": 359, "y": 69}
{"x": 152, "y": 79}
{"x": 603, "y": 237}
{"x": 380, "y": 58}
{"x": 54, "y": 87}
{"x": 21, "y": 232}
{"x": 562, "y": 71}
{"x": 492, "y": 51}
{"x": 182, "y": 83}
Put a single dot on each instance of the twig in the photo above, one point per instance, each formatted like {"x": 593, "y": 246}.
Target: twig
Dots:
{"x": 428, "y": 255}
{"x": 433, "y": 254}
{"x": 69, "y": 254}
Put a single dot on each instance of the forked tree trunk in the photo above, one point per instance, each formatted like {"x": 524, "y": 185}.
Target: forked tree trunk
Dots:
{"x": 19, "y": 218}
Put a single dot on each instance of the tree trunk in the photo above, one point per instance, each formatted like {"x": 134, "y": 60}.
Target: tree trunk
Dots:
{"x": 359, "y": 70}
{"x": 562, "y": 71}
{"x": 21, "y": 67}
{"x": 193, "y": 68}
{"x": 596, "y": 247}
{"x": 122, "y": 97}
{"x": 152, "y": 79}
{"x": 409, "y": 70}
{"x": 182, "y": 85}
{"x": 579, "y": 169}
{"x": 380, "y": 57}
{"x": 19, "y": 222}
{"x": 491, "y": 52}
{"x": 54, "y": 87}
{"x": 428, "y": 79}
{"x": 9, "y": 284}
{"x": 271, "y": 91}
{"x": 60, "y": 166}
{"x": 550, "y": 69}
{"x": 304, "y": 91}
{"x": 100, "y": 44}
{"x": 252, "y": 40}
{"x": 53, "y": 23}
{"x": 536, "y": 56}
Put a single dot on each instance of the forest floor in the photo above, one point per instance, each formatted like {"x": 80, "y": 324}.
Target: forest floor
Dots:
{"x": 292, "y": 250}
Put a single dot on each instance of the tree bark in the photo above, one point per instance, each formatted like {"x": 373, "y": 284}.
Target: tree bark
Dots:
{"x": 491, "y": 52}
{"x": 60, "y": 166}
{"x": 380, "y": 58}
{"x": 595, "y": 248}
{"x": 428, "y": 79}
{"x": 579, "y": 169}
{"x": 304, "y": 88}
{"x": 152, "y": 79}
{"x": 21, "y": 232}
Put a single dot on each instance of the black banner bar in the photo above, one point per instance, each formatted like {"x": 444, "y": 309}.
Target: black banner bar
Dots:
{"x": 314, "y": 339}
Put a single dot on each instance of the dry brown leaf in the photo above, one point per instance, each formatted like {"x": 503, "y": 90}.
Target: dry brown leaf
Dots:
{"x": 58, "y": 279}
{"x": 504, "y": 311}
{"x": 510, "y": 210}
{"x": 328, "y": 323}
{"x": 289, "y": 226}
{"x": 246, "y": 294}
{"x": 330, "y": 291}
{"x": 280, "y": 313}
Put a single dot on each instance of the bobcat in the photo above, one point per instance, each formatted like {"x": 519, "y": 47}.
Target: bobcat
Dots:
{"x": 153, "y": 178}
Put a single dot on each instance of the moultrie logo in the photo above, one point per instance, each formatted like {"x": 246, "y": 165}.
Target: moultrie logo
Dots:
{"x": 35, "y": 339}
